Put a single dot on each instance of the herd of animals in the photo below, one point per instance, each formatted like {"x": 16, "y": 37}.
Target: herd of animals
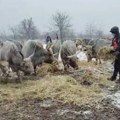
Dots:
{"x": 26, "y": 57}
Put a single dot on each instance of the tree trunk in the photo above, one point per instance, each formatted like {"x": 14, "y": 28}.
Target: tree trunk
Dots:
{"x": 61, "y": 35}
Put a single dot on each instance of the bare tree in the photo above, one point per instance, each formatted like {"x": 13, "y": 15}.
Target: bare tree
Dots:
{"x": 99, "y": 34}
{"x": 14, "y": 32}
{"x": 27, "y": 29}
{"x": 4, "y": 36}
{"x": 62, "y": 23}
{"x": 90, "y": 30}
{"x": 70, "y": 34}
{"x": 94, "y": 31}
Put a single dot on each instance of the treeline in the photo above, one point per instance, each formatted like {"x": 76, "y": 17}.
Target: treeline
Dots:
{"x": 60, "y": 25}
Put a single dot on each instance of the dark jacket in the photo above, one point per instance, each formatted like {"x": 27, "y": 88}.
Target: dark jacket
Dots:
{"x": 116, "y": 39}
{"x": 48, "y": 39}
{"x": 57, "y": 36}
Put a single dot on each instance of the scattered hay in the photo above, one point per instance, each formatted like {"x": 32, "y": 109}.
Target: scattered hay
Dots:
{"x": 59, "y": 88}
{"x": 94, "y": 76}
{"x": 9, "y": 79}
{"x": 46, "y": 68}
{"x": 105, "y": 54}
{"x": 88, "y": 78}
{"x": 65, "y": 89}
{"x": 84, "y": 64}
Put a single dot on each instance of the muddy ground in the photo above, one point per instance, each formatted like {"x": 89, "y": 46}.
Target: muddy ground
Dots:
{"x": 108, "y": 107}
{"x": 51, "y": 110}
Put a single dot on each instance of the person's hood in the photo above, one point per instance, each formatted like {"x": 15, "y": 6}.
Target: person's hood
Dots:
{"x": 114, "y": 30}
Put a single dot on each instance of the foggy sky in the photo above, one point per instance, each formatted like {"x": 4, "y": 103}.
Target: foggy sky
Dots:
{"x": 105, "y": 13}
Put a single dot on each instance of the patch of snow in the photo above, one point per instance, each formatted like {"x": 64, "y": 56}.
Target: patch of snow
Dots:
{"x": 62, "y": 112}
{"x": 115, "y": 99}
{"x": 46, "y": 103}
{"x": 87, "y": 114}
{"x": 82, "y": 56}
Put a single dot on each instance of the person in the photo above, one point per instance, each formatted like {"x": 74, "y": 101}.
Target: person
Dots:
{"x": 48, "y": 39}
{"x": 56, "y": 36}
{"x": 116, "y": 51}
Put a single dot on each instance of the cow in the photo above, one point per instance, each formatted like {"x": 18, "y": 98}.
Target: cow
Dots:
{"x": 79, "y": 42}
{"x": 94, "y": 47}
{"x": 9, "y": 53}
{"x": 82, "y": 42}
{"x": 55, "y": 46}
{"x": 34, "y": 52}
{"x": 28, "y": 48}
{"x": 19, "y": 45}
{"x": 68, "y": 55}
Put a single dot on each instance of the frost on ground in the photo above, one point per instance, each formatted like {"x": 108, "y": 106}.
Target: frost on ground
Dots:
{"x": 115, "y": 99}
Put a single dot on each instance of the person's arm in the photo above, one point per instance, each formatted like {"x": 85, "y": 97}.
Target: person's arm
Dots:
{"x": 116, "y": 51}
{"x": 118, "y": 48}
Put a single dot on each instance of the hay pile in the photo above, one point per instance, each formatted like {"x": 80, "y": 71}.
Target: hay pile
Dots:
{"x": 58, "y": 88}
{"x": 105, "y": 54}
{"x": 64, "y": 89}
{"x": 92, "y": 77}
{"x": 46, "y": 68}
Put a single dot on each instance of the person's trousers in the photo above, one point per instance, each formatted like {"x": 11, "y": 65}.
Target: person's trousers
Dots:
{"x": 116, "y": 68}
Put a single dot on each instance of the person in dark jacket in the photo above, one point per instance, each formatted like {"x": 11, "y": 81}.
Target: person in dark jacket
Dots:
{"x": 116, "y": 45}
{"x": 48, "y": 39}
{"x": 56, "y": 36}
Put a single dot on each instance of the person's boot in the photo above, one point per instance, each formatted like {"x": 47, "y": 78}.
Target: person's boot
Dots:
{"x": 112, "y": 78}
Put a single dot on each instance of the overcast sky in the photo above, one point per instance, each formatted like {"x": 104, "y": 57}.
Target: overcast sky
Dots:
{"x": 105, "y": 13}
